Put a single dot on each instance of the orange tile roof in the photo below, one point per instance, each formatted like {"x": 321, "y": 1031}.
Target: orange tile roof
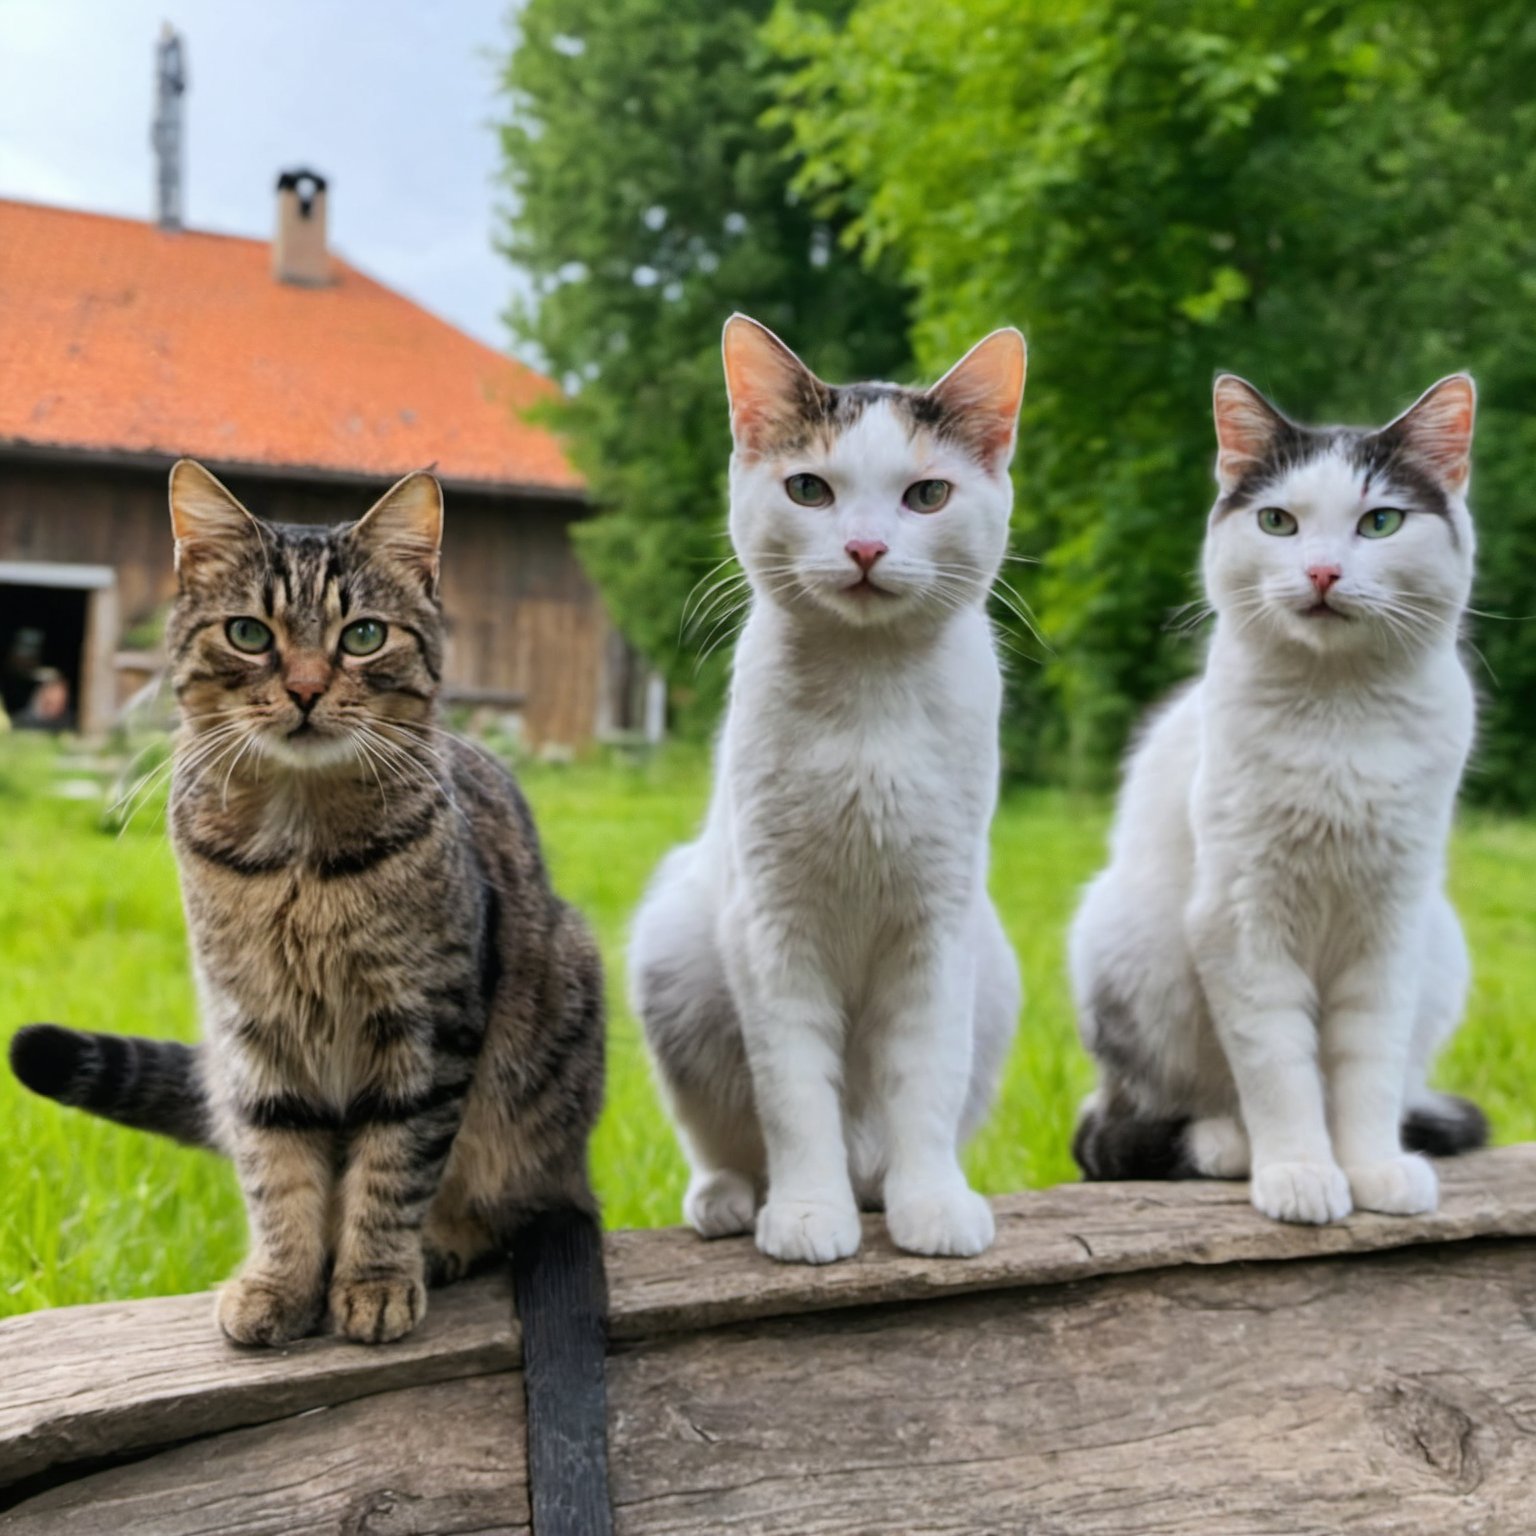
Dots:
{"x": 120, "y": 337}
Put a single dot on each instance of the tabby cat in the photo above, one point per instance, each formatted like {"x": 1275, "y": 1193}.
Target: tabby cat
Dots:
{"x": 404, "y": 1025}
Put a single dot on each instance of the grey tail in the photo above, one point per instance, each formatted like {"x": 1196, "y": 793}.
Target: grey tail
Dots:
{"x": 561, "y": 1289}
{"x": 148, "y": 1085}
{"x": 1443, "y": 1125}
{"x": 1114, "y": 1145}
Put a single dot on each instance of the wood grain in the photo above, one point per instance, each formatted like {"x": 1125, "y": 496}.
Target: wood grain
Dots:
{"x": 84, "y": 1382}
{"x": 668, "y": 1281}
{"x": 1392, "y": 1394}
{"x": 446, "y": 1459}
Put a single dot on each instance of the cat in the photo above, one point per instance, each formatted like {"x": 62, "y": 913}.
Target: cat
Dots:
{"x": 1269, "y": 964}
{"x": 825, "y": 985}
{"x": 404, "y": 1024}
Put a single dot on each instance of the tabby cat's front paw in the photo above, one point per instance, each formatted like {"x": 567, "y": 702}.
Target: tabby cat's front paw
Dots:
{"x": 947, "y": 1221}
{"x": 377, "y": 1310}
{"x": 808, "y": 1231}
{"x": 1312, "y": 1193}
{"x": 1400, "y": 1186}
{"x": 262, "y": 1308}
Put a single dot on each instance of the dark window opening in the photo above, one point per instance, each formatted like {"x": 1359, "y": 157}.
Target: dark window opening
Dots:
{"x": 42, "y": 645}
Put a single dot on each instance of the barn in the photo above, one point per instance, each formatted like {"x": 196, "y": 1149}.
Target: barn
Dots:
{"x": 308, "y": 387}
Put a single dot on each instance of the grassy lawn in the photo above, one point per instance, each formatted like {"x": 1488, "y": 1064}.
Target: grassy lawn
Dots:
{"x": 91, "y": 934}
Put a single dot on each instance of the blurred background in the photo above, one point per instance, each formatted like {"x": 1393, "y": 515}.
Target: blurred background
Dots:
{"x": 318, "y": 246}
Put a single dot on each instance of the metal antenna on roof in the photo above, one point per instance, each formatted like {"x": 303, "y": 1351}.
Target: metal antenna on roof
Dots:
{"x": 165, "y": 131}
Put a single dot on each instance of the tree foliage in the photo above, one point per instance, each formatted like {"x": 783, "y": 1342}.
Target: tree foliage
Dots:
{"x": 650, "y": 201}
{"x": 1334, "y": 201}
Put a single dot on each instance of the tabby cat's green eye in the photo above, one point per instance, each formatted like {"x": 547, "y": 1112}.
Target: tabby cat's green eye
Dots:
{"x": 1278, "y": 521}
{"x": 249, "y": 635}
{"x": 1380, "y": 523}
{"x": 926, "y": 495}
{"x": 808, "y": 491}
{"x": 363, "y": 638}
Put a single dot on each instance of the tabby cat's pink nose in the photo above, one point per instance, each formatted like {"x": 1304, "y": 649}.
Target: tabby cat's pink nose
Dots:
{"x": 865, "y": 552}
{"x": 304, "y": 690}
{"x": 1323, "y": 577}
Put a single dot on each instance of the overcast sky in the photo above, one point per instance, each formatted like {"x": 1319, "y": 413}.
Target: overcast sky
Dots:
{"x": 391, "y": 100}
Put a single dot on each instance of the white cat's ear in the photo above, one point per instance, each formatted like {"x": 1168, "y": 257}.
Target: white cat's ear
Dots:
{"x": 982, "y": 393}
{"x": 407, "y": 523}
{"x": 770, "y": 389}
{"x": 1247, "y": 426}
{"x": 210, "y": 524}
{"x": 1437, "y": 428}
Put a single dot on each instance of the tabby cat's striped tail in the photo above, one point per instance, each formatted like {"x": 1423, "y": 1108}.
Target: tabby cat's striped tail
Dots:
{"x": 149, "y": 1085}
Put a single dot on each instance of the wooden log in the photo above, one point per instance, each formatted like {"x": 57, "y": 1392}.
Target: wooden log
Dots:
{"x": 1395, "y": 1393}
{"x": 86, "y": 1382}
{"x": 668, "y": 1281}
{"x": 446, "y": 1459}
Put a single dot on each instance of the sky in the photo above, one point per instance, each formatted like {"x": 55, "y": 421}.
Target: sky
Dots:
{"x": 393, "y": 101}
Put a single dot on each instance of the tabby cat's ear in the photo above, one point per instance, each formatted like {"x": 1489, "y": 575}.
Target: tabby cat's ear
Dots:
{"x": 211, "y": 527}
{"x": 771, "y": 391}
{"x": 982, "y": 393}
{"x": 1437, "y": 428}
{"x": 1247, "y": 426}
{"x": 406, "y": 523}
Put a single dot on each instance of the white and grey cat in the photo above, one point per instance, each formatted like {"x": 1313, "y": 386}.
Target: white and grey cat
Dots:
{"x": 1269, "y": 964}
{"x": 824, "y": 982}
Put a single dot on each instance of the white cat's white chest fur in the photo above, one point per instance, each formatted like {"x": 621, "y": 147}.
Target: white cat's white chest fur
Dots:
{"x": 876, "y": 818}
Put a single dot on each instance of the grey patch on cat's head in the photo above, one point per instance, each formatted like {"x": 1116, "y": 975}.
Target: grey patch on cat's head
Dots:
{"x": 1379, "y": 453}
{"x": 824, "y": 412}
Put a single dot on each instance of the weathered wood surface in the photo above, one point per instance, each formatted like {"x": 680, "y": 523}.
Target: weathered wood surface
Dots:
{"x": 88, "y": 1383}
{"x": 1392, "y": 1394}
{"x": 446, "y": 1459}
{"x": 85, "y": 1382}
{"x": 668, "y": 1281}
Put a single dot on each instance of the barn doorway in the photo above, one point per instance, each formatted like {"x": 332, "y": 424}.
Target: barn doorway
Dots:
{"x": 58, "y": 632}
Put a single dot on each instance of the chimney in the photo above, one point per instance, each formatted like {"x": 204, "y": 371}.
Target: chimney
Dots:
{"x": 298, "y": 248}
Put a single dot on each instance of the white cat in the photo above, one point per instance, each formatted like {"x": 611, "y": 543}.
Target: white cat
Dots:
{"x": 1269, "y": 964}
{"x": 824, "y": 982}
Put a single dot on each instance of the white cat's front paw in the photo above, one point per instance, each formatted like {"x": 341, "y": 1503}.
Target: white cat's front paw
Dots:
{"x": 808, "y": 1231}
{"x": 1400, "y": 1186}
{"x": 1218, "y": 1148}
{"x": 1313, "y": 1193}
{"x": 948, "y": 1221}
{"x": 720, "y": 1204}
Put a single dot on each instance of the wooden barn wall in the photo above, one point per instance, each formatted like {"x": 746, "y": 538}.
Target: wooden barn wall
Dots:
{"x": 523, "y": 618}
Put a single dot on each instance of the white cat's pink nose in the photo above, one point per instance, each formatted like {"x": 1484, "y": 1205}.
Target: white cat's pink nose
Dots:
{"x": 864, "y": 552}
{"x": 1323, "y": 577}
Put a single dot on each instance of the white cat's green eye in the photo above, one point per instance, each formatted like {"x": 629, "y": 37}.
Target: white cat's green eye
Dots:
{"x": 1278, "y": 521}
{"x": 363, "y": 638}
{"x": 808, "y": 491}
{"x": 249, "y": 635}
{"x": 1380, "y": 523}
{"x": 926, "y": 495}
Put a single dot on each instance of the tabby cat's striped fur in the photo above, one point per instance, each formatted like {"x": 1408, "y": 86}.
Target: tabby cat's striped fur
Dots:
{"x": 404, "y": 1024}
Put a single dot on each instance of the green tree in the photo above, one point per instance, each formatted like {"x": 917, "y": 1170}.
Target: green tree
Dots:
{"x": 1332, "y": 200}
{"x": 650, "y": 200}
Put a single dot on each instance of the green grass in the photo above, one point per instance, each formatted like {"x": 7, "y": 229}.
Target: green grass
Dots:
{"x": 91, "y": 934}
